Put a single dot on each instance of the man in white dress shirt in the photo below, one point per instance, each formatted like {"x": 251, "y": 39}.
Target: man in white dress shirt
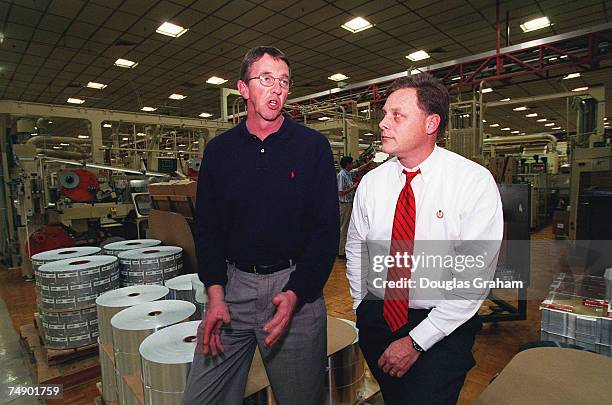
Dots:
{"x": 436, "y": 202}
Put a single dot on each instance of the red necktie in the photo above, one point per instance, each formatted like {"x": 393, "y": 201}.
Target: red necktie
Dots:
{"x": 395, "y": 307}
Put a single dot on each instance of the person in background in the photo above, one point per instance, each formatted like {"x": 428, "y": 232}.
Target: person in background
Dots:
{"x": 348, "y": 181}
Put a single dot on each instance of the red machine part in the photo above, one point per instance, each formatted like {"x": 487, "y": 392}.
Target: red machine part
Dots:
{"x": 49, "y": 238}
{"x": 86, "y": 186}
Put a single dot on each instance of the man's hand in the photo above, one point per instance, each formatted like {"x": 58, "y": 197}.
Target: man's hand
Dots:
{"x": 217, "y": 314}
{"x": 285, "y": 303}
{"x": 398, "y": 358}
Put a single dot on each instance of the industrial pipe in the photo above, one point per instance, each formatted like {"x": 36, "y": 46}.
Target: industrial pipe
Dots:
{"x": 65, "y": 154}
{"x": 522, "y": 139}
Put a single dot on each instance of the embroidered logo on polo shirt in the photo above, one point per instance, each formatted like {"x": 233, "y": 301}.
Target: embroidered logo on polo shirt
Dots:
{"x": 440, "y": 214}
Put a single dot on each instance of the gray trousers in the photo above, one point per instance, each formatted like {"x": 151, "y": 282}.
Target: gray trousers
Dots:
{"x": 295, "y": 365}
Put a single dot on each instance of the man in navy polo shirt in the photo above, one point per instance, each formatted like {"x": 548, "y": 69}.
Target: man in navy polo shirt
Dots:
{"x": 266, "y": 234}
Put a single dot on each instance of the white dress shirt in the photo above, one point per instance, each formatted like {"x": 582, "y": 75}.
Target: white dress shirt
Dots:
{"x": 456, "y": 200}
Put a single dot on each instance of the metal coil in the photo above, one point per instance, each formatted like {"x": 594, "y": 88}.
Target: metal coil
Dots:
{"x": 132, "y": 325}
{"x": 166, "y": 360}
{"x": 181, "y": 287}
{"x": 73, "y": 284}
{"x": 66, "y": 330}
{"x": 115, "y": 248}
{"x": 112, "y": 302}
{"x": 154, "y": 265}
{"x": 61, "y": 254}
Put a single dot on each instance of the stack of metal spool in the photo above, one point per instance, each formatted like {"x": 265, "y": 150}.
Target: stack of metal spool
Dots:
{"x": 67, "y": 290}
{"x": 166, "y": 360}
{"x": 131, "y": 326}
{"x": 109, "y": 304}
{"x": 154, "y": 265}
{"x": 115, "y": 248}
{"x": 61, "y": 254}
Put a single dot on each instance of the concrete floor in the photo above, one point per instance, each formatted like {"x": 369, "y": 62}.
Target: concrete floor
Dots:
{"x": 13, "y": 367}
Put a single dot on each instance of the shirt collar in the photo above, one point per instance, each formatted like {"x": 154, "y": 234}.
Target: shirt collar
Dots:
{"x": 427, "y": 166}
{"x": 283, "y": 132}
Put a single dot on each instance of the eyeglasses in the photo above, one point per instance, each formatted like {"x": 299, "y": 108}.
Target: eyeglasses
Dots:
{"x": 268, "y": 81}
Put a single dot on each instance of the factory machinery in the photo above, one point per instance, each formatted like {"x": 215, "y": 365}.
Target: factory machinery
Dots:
{"x": 59, "y": 191}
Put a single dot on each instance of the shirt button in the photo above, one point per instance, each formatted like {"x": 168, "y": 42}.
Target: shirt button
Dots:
{"x": 262, "y": 150}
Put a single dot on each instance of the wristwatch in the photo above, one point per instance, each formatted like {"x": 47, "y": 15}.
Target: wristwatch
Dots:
{"x": 417, "y": 347}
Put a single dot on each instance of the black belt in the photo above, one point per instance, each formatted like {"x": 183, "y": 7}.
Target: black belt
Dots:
{"x": 262, "y": 268}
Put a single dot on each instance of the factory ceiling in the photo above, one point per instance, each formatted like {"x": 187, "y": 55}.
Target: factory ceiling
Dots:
{"x": 51, "y": 50}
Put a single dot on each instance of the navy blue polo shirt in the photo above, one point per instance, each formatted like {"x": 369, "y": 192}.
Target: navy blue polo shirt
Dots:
{"x": 260, "y": 202}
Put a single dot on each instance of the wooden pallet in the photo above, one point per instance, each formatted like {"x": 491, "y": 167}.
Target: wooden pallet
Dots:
{"x": 68, "y": 373}
{"x": 57, "y": 356}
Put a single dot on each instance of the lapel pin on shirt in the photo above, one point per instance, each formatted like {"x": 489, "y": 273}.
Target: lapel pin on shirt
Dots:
{"x": 440, "y": 214}
{"x": 292, "y": 174}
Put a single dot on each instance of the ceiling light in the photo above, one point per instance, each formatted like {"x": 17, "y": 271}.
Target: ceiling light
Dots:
{"x": 196, "y": 142}
{"x": 531, "y": 115}
{"x": 554, "y": 58}
{"x": 167, "y": 148}
{"x": 521, "y": 108}
{"x": 33, "y": 134}
{"x": 542, "y": 120}
{"x": 550, "y": 124}
{"x": 97, "y": 86}
{"x": 215, "y": 80}
{"x": 514, "y": 132}
{"x": 51, "y": 122}
{"x": 124, "y": 63}
{"x": 145, "y": 108}
{"x": 522, "y": 133}
{"x": 141, "y": 134}
{"x": 125, "y": 139}
{"x": 563, "y": 56}
{"x": 181, "y": 145}
{"x": 64, "y": 144}
{"x": 456, "y": 78}
{"x": 83, "y": 136}
{"x": 556, "y": 128}
{"x": 487, "y": 90}
{"x": 505, "y": 99}
{"x": 75, "y": 101}
{"x": 506, "y": 129}
{"x": 418, "y": 55}
{"x": 415, "y": 72}
{"x": 171, "y": 30}
{"x": 357, "y": 24}
{"x": 107, "y": 125}
{"x": 605, "y": 118}
{"x": 368, "y": 134}
{"x": 535, "y": 24}
{"x": 323, "y": 118}
{"x": 338, "y": 77}
{"x": 57, "y": 147}
{"x": 485, "y": 121}
{"x": 494, "y": 125}
{"x": 581, "y": 88}
{"x": 205, "y": 115}
{"x": 175, "y": 96}
{"x": 365, "y": 111}
{"x": 571, "y": 76}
